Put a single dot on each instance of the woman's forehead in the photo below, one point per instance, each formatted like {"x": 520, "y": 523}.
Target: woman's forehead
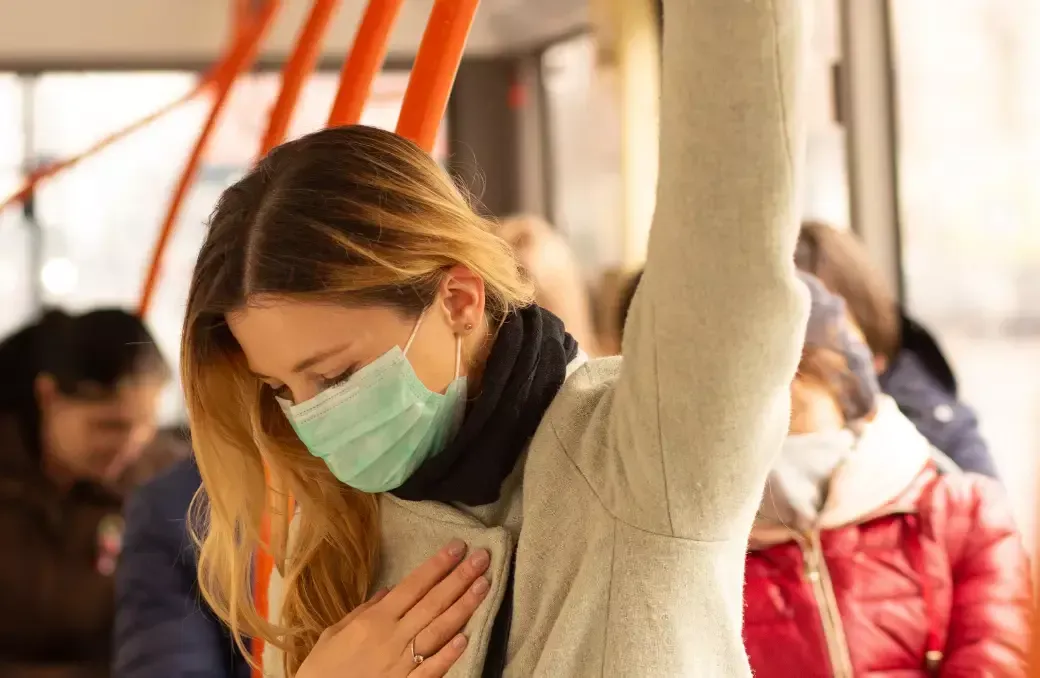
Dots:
{"x": 277, "y": 337}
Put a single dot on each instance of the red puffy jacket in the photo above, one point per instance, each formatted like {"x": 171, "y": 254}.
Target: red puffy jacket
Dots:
{"x": 932, "y": 582}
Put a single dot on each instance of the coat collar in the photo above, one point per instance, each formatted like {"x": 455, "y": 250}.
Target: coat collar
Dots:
{"x": 875, "y": 479}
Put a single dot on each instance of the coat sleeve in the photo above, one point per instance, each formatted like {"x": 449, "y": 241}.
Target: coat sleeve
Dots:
{"x": 162, "y": 626}
{"x": 990, "y": 620}
{"x": 57, "y": 598}
{"x": 715, "y": 330}
{"x": 962, "y": 441}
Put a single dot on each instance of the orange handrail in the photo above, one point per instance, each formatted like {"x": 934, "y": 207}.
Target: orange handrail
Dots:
{"x": 240, "y": 23}
{"x": 294, "y": 74}
{"x": 273, "y": 540}
{"x": 363, "y": 62}
{"x": 50, "y": 170}
{"x": 242, "y": 58}
{"x": 436, "y": 64}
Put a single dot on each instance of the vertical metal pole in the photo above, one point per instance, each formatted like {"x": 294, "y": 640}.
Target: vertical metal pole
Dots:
{"x": 546, "y": 142}
{"x": 868, "y": 104}
{"x": 531, "y": 134}
{"x": 30, "y": 164}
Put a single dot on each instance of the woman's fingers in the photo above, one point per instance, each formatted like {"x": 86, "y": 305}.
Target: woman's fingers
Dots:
{"x": 442, "y": 629}
{"x": 444, "y": 595}
{"x": 438, "y": 665}
{"x": 411, "y": 590}
{"x": 342, "y": 623}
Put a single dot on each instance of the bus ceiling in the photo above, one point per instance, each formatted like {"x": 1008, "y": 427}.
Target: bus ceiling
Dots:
{"x": 58, "y": 34}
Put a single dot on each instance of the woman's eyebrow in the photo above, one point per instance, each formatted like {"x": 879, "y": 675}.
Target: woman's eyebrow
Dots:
{"x": 318, "y": 357}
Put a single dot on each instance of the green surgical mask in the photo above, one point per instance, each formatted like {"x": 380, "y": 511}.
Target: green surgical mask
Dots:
{"x": 374, "y": 430}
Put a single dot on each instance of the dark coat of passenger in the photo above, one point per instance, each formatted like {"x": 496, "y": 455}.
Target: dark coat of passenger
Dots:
{"x": 923, "y": 385}
{"x": 56, "y": 585}
{"x": 163, "y": 627}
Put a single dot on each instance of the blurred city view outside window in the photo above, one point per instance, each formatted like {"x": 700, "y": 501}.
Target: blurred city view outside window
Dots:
{"x": 969, "y": 182}
{"x": 100, "y": 219}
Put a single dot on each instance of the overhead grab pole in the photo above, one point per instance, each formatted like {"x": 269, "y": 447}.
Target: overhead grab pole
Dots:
{"x": 241, "y": 59}
{"x": 296, "y": 70}
{"x": 274, "y": 524}
{"x": 294, "y": 75}
{"x": 363, "y": 62}
{"x": 433, "y": 74}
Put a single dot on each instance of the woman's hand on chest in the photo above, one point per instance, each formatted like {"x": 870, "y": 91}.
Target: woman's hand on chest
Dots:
{"x": 411, "y": 630}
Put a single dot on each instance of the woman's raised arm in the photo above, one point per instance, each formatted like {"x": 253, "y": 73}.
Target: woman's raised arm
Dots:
{"x": 715, "y": 331}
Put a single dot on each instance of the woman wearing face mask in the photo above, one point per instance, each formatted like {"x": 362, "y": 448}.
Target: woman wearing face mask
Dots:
{"x": 867, "y": 558}
{"x": 356, "y": 327}
{"x": 910, "y": 364}
{"x": 78, "y": 401}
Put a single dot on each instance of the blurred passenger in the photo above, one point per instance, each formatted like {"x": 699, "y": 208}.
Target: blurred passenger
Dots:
{"x": 866, "y": 558}
{"x": 558, "y": 284}
{"x": 163, "y": 628}
{"x": 912, "y": 367}
{"x": 77, "y": 409}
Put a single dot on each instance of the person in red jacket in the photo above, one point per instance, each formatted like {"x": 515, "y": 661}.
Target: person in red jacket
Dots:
{"x": 870, "y": 557}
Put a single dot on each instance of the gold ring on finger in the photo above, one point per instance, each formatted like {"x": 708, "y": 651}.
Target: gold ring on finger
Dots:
{"x": 416, "y": 658}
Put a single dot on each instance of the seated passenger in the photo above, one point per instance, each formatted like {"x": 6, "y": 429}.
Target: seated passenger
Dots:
{"x": 163, "y": 629}
{"x": 866, "y": 559}
{"x": 77, "y": 408}
{"x": 558, "y": 283}
{"x": 911, "y": 365}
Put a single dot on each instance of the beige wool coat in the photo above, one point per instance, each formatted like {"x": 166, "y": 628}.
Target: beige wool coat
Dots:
{"x": 631, "y": 512}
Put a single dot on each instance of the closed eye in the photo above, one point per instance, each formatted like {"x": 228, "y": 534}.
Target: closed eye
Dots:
{"x": 329, "y": 382}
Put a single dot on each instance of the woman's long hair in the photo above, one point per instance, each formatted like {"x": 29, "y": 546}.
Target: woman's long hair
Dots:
{"x": 353, "y": 216}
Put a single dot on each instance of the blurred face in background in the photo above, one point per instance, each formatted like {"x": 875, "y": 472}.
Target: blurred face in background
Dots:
{"x": 96, "y": 436}
{"x": 815, "y": 407}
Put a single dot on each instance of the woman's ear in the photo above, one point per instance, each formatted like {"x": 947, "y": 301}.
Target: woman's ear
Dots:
{"x": 462, "y": 296}
{"x": 46, "y": 389}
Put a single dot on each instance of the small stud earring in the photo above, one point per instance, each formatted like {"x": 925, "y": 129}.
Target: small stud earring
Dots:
{"x": 468, "y": 327}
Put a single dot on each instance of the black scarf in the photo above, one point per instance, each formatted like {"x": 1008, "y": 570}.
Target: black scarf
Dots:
{"x": 526, "y": 367}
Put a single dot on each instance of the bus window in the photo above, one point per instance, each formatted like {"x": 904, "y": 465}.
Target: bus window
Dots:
{"x": 969, "y": 133}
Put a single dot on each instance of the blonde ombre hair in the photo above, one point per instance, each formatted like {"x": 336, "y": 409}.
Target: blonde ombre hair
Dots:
{"x": 352, "y": 216}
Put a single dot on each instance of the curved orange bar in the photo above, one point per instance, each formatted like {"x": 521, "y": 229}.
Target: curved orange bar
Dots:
{"x": 436, "y": 64}
{"x": 242, "y": 57}
{"x": 363, "y": 62}
{"x": 240, "y": 23}
{"x": 50, "y": 170}
{"x": 263, "y": 567}
{"x": 300, "y": 64}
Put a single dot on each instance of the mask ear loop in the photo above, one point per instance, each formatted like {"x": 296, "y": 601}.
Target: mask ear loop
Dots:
{"x": 458, "y": 344}
{"x": 458, "y": 355}
{"x": 415, "y": 331}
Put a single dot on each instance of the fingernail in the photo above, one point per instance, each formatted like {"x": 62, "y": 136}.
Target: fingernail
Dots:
{"x": 456, "y": 547}
{"x": 481, "y": 586}
{"x": 480, "y": 559}
{"x": 459, "y": 642}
